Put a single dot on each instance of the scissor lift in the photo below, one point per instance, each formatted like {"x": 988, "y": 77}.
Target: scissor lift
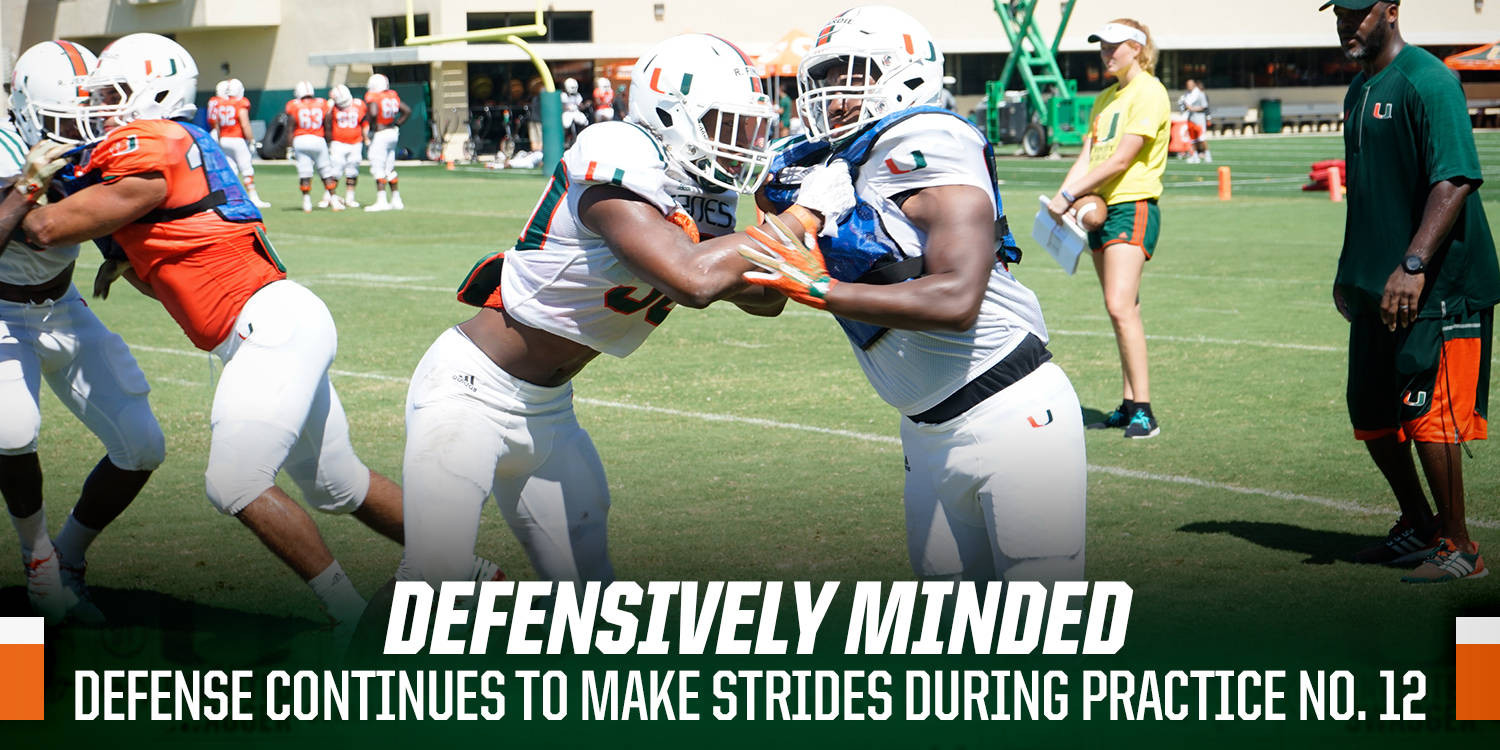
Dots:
{"x": 1052, "y": 113}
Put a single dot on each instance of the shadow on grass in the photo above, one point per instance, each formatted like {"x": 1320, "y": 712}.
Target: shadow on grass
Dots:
{"x": 1321, "y": 547}
{"x": 1091, "y": 415}
{"x": 157, "y": 627}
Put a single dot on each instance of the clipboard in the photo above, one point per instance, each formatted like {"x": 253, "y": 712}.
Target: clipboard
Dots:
{"x": 1065, "y": 241}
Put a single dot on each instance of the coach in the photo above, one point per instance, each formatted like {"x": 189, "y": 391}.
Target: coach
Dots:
{"x": 1417, "y": 280}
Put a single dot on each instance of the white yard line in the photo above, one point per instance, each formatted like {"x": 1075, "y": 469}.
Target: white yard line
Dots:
{"x": 1341, "y": 505}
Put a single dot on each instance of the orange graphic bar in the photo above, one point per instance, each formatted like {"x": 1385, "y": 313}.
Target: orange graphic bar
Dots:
{"x": 21, "y": 668}
{"x": 1477, "y": 661}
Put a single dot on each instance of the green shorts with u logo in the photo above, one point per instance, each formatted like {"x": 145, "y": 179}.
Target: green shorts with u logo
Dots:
{"x": 1132, "y": 223}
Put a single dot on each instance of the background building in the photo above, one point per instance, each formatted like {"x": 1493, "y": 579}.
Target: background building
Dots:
{"x": 1284, "y": 49}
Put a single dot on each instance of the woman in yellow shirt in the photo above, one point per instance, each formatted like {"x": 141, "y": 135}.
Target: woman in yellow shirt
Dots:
{"x": 1123, "y": 159}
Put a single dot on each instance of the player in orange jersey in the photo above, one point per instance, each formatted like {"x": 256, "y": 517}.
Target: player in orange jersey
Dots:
{"x": 387, "y": 112}
{"x": 310, "y": 144}
{"x": 229, "y": 117}
{"x": 189, "y": 236}
{"x": 347, "y": 131}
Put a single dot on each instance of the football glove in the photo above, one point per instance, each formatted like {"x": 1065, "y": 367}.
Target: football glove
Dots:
{"x": 829, "y": 190}
{"x": 793, "y": 267}
{"x": 43, "y": 161}
{"x": 108, "y": 272}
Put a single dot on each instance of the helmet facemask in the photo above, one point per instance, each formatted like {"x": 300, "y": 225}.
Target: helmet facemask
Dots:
{"x": 732, "y": 147}
{"x": 46, "y": 120}
{"x": 840, "y": 94}
{"x": 110, "y": 105}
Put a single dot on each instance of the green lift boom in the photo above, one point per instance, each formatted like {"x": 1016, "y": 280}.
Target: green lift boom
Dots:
{"x": 1052, "y": 113}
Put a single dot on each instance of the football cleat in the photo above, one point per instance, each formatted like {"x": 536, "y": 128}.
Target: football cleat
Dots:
{"x": 1448, "y": 563}
{"x": 1142, "y": 425}
{"x": 484, "y": 570}
{"x": 379, "y": 206}
{"x": 82, "y": 606}
{"x": 323, "y": 203}
{"x": 396, "y": 204}
{"x": 335, "y": 204}
{"x": 1402, "y": 544}
{"x": 45, "y": 589}
{"x": 351, "y": 203}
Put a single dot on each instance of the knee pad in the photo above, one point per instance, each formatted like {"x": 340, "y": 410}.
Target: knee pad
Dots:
{"x": 334, "y": 482}
{"x": 145, "y": 447}
{"x": 243, "y": 459}
{"x": 20, "y": 429}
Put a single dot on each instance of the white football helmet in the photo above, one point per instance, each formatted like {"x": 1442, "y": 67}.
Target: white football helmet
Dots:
{"x": 702, "y": 99}
{"x": 45, "y": 94}
{"x": 340, "y": 96}
{"x": 234, "y": 88}
{"x": 302, "y": 89}
{"x": 140, "y": 77}
{"x": 874, "y": 58}
{"x": 571, "y": 86}
{"x": 602, "y": 83}
{"x": 221, "y": 89}
{"x": 377, "y": 83}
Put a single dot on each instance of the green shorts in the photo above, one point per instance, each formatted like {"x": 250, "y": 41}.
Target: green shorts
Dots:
{"x": 1133, "y": 223}
{"x": 1429, "y": 382}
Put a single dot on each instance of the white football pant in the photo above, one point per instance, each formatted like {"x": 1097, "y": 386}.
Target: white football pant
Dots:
{"x": 312, "y": 153}
{"x": 274, "y": 407}
{"x": 238, "y": 152}
{"x": 998, "y": 493}
{"x": 345, "y": 158}
{"x": 472, "y": 428}
{"x": 383, "y": 153}
{"x": 90, "y": 369}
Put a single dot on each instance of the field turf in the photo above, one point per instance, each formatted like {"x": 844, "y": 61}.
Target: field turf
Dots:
{"x": 744, "y": 448}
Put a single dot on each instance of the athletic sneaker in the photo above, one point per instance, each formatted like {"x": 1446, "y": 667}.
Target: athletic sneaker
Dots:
{"x": 323, "y": 203}
{"x": 351, "y": 203}
{"x": 1448, "y": 563}
{"x": 1116, "y": 420}
{"x": 1142, "y": 425}
{"x": 378, "y": 205}
{"x": 1402, "y": 544}
{"x": 83, "y": 609}
{"x": 396, "y": 204}
{"x": 44, "y": 588}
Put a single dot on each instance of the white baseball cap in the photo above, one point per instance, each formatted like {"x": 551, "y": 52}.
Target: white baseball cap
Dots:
{"x": 1115, "y": 33}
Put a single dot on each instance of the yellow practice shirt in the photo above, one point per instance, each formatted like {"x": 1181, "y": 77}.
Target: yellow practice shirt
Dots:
{"x": 1142, "y": 109}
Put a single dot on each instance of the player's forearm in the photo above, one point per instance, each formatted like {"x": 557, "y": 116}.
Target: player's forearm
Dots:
{"x": 942, "y": 302}
{"x": 12, "y": 210}
{"x": 56, "y": 224}
{"x": 1445, "y": 201}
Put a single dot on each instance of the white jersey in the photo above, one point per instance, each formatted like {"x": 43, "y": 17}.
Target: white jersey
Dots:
{"x": 915, "y": 370}
{"x": 20, "y": 264}
{"x": 562, "y": 278}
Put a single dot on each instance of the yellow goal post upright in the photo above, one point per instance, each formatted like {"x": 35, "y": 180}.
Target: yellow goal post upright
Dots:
{"x": 551, "y": 100}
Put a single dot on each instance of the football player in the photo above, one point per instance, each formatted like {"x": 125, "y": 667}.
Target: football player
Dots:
{"x": 608, "y": 251}
{"x": 191, "y": 238}
{"x": 604, "y": 100}
{"x": 47, "y": 332}
{"x": 310, "y": 144}
{"x": 918, "y": 278}
{"x": 347, "y": 134}
{"x": 229, "y": 117}
{"x": 386, "y": 114}
{"x": 573, "y": 118}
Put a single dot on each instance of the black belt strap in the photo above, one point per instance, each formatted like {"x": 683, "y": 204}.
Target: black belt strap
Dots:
{"x": 157, "y": 216}
{"x": 1022, "y": 361}
{"x": 38, "y": 294}
{"x": 893, "y": 273}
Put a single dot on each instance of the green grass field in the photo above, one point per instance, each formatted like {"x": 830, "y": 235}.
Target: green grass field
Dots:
{"x": 744, "y": 448}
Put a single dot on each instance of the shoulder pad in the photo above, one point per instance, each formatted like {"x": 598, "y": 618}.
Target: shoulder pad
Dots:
{"x": 12, "y": 155}
{"x": 624, "y": 154}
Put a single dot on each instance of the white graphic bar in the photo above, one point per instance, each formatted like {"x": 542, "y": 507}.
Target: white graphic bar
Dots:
{"x": 28, "y": 631}
{"x": 1478, "y": 631}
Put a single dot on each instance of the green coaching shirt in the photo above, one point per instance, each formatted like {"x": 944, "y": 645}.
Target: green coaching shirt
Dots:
{"x": 1406, "y": 129}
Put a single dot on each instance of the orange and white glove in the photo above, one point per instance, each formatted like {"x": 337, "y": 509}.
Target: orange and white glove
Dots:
{"x": 793, "y": 267}
{"x": 43, "y": 161}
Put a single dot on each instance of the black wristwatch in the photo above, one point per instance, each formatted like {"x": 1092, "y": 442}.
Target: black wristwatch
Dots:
{"x": 1413, "y": 264}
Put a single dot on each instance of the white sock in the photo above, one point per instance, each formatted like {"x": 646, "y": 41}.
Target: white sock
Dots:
{"x": 334, "y": 589}
{"x": 395, "y": 194}
{"x": 74, "y": 540}
{"x": 33, "y": 533}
